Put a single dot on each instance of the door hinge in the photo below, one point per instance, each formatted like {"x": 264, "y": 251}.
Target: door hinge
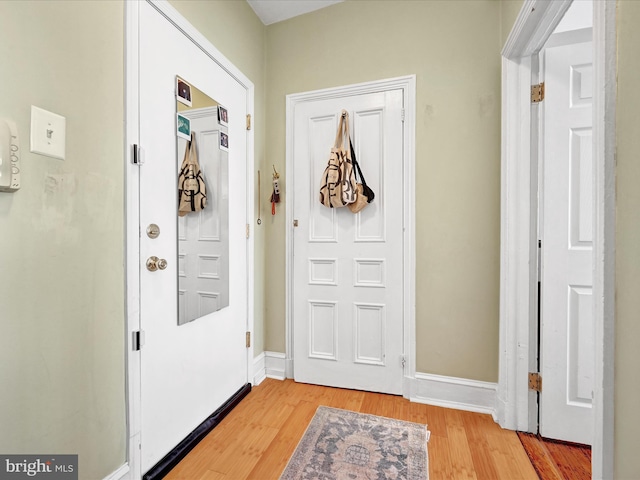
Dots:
{"x": 247, "y": 230}
{"x": 136, "y": 158}
{"x": 248, "y": 121}
{"x": 137, "y": 340}
{"x": 537, "y": 93}
{"x": 403, "y": 360}
{"x": 535, "y": 381}
{"x": 248, "y": 339}
{"x": 402, "y": 115}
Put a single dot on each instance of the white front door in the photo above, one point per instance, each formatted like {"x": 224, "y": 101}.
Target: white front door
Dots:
{"x": 348, "y": 268}
{"x": 567, "y": 328}
{"x": 187, "y": 371}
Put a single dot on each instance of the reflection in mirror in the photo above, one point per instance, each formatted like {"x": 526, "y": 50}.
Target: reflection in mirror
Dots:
{"x": 203, "y": 236}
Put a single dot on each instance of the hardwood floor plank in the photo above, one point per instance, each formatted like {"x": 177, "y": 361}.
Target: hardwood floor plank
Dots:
{"x": 476, "y": 426}
{"x": 439, "y": 451}
{"x": 276, "y": 456}
{"x": 541, "y": 459}
{"x": 256, "y": 440}
{"x": 574, "y": 462}
{"x": 510, "y": 459}
{"x": 211, "y": 475}
{"x": 461, "y": 459}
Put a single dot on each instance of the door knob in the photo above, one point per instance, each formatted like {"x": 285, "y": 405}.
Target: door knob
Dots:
{"x": 154, "y": 263}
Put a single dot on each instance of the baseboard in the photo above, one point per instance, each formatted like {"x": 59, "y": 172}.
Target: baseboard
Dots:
{"x": 275, "y": 365}
{"x": 439, "y": 390}
{"x": 119, "y": 474}
{"x": 269, "y": 365}
{"x": 164, "y": 466}
{"x": 452, "y": 392}
{"x": 259, "y": 369}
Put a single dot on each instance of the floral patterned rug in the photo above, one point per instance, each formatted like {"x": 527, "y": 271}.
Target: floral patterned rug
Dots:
{"x": 340, "y": 444}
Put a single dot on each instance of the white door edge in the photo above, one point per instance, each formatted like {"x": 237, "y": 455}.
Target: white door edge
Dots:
{"x": 132, "y": 208}
{"x": 536, "y": 21}
{"x": 408, "y": 86}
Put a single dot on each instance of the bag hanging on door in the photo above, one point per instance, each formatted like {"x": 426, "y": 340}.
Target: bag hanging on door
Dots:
{"x": 364, "y": 195}
{"x": 338, "y": 183}
{"x": 192, "y": 191}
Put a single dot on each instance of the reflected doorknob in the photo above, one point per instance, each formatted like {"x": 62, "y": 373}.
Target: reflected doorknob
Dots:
{"x": 154, "y": 263}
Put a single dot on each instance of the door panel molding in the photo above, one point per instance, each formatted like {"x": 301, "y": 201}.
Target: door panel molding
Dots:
{"x": 408, "y": 86}
{"x": 536, "y": 21}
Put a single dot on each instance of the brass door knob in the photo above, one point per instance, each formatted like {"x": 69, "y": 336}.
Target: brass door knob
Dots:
{"x": 154, "y": 263}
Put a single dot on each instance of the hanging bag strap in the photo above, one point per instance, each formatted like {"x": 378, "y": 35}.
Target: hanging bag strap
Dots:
{"x": 356, "y": 164}
{"x": 366, "y": 190}
{"x": 343, "y": 131}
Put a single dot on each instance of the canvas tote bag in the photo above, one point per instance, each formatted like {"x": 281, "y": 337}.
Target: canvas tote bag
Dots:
{"x": 192, "y": 191}
{"x": 338, "y": 182}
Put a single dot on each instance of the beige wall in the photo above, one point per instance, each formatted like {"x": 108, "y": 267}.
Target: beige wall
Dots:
{"x": 453, "y": 48}
{"x": 62, "y": 367}
{"x": 235, "y": 30}
{"x": 509, "y": 10}
{"x": 627, "y": 328}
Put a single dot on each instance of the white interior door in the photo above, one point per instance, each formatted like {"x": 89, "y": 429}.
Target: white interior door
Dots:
{"x": 187, "y": 371}
{"x": 348, "y": 268}
{"x": 567, "y": 329}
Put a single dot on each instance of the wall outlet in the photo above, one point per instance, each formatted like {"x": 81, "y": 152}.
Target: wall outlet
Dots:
{"x": 48, "y": 133}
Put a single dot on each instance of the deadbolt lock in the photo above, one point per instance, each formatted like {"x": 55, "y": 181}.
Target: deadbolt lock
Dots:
{"x": 153, "y": 230}
{"x": 154, "y": 263}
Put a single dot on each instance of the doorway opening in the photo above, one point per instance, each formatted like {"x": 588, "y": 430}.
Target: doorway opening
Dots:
{"x": 517, "y": 405}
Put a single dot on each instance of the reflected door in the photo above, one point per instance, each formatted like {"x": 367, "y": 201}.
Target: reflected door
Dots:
{"x": 203, "y": 237}
{"x": 187, "y": 371}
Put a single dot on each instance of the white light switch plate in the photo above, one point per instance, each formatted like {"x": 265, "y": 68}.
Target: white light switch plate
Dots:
{"x": 48, "y": 133}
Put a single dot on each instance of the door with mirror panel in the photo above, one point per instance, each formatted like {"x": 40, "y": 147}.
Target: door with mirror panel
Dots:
{"x": 191, "y": 362}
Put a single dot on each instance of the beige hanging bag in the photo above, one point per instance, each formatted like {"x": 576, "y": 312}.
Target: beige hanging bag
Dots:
{"x": 338, "y": 183}
{"x": 192, "y": 191}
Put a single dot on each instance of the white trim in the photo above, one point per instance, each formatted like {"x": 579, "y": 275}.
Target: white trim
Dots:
{"x": 119, "y": 474}
{"x": 132, "y": 205}
{"x": 408, "y": 85}
{"x": 604, "y": 134}
{"x": 536, "y": 21}
{"x": 458, "y": 393}
{"x": 259, "y": 369}
{"x": 275, "y": 364}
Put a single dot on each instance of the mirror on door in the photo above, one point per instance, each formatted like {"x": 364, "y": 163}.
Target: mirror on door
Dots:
{"x": 203, "y": 203}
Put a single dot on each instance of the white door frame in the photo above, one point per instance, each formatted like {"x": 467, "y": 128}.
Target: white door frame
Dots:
{"x": 132, "y": 469}
{"x": 534, "y": 25}
{"x": 408, "y": 85}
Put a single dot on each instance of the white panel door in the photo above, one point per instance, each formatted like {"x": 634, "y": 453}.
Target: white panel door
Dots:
{"x": 187, "y": 371}
{"x": 567, "y": 329}
{"x": 348, "y": 274}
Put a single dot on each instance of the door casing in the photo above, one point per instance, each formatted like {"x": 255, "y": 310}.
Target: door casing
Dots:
{"x": 518, "y": 280}
{"x": 408, "y": 85}
{"x": 133, "y": 469}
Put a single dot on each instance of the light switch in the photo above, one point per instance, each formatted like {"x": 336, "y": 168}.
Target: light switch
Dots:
{"x": 48, "y": 133}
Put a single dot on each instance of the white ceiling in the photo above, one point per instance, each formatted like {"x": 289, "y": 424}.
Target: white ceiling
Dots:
{"x": 273, "y": 11}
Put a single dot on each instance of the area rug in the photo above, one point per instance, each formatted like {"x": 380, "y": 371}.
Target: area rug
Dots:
{"x": 340, "y": 444}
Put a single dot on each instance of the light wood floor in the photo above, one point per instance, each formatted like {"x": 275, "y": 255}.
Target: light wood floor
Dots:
{"x": 257, "y": 438}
